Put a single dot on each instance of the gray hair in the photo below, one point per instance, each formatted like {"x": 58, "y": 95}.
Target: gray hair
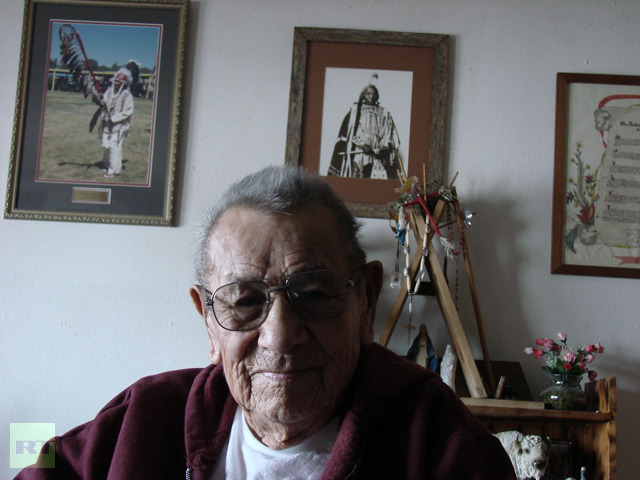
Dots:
{"x": 272, "y": 190}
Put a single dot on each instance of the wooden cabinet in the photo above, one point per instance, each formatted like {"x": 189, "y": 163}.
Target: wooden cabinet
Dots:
{"x": 591, "y": 434}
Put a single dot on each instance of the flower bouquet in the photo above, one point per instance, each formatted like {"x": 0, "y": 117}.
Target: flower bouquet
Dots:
{"x": 565, "y": 367}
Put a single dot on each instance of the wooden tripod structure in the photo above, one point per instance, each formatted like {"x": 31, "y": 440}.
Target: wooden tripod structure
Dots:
{"x": 445, "y": 301}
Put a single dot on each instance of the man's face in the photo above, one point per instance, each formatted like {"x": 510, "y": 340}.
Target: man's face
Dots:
{"x": 369, "y": 96}
{"x": 290, "y": 370}
{"x": 117, "y": 82}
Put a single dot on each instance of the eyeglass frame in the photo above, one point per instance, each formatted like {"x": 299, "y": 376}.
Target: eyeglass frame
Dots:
{"x": 285, "y": 287}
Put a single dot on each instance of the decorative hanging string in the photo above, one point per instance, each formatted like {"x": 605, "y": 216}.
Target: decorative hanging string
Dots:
{"x": 446, "y": 244}
{"x": 456, "y": 254}
{"x": 409, "y": 189}
{"x": 413, "y": 289}
{"x": 407, "y": 264}
{"x": 395, "y": 276}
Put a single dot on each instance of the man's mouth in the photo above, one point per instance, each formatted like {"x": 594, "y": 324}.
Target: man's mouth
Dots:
{"x": 280, "y": 376}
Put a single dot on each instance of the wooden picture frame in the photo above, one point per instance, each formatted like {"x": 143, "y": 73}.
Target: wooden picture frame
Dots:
{"x": 330, "y": 69}
{"x": 596, "y": 189}
{"x": 59, "y": 169}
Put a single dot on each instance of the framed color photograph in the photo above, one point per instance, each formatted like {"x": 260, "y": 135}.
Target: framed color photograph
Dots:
{"x": 365, "y": 105}
{"x": 596, "y": 193}
{"x": 97, "y": 111}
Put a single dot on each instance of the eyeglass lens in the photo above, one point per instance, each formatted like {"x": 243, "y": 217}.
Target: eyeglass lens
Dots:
{"x": 245, "y": 305}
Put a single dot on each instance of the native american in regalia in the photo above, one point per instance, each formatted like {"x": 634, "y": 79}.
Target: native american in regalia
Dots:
{"x": 368, "y": 142}
{"x": 115, "y": 105}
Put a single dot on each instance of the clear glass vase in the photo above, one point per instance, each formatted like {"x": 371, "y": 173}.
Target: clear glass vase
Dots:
{"x": 564, "y": 393}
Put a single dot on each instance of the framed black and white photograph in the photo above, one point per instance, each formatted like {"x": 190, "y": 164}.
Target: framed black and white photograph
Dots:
{"x": 97, "y": 111}
{"x": 367, "y": 107}
{"x": 343, "y": 113}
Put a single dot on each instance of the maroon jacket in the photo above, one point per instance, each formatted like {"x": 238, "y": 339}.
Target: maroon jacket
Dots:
{"x": 400, "y": 421}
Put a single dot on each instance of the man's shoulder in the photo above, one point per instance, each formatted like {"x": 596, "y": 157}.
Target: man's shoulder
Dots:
{"x": 173, "y": 385}
{"x": 388, "y": 364}
{"x": 149, "y": 415}
{"x": 181, "y": 378}
{"x": 178, "y": 378}
{"x": 391, "y": 375}
{"x": 389, "y": 381}
{"x": 160, "y": 396}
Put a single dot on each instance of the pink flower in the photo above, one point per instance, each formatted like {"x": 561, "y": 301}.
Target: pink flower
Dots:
{"x": 599, "y": 348}
{"x": 569, "y": 357}
{"x": 589, "y": 358}
{"x": 540, "y": 341}
{"x": 549, "y": 344}
{"x": 562, "y": 336}
{"x": 537, "y": 352}
{"x": 592, "y": 375}
{"x": 567, "y": 366}
{"x": 583, "y": 366}
{"x": 528, "y": 351}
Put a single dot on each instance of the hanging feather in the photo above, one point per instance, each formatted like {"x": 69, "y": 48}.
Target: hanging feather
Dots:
{"x": 74, "y": 56}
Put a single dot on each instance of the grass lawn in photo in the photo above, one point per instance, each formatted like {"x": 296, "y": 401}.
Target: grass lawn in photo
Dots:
{"x": 70, "y": 153}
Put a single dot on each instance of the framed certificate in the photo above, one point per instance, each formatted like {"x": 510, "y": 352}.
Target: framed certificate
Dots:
{"x": 596, "y": 193}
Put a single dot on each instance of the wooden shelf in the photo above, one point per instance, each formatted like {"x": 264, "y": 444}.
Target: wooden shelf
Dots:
{"x": 538, "y": 414}
{"x": 591, "y": 434}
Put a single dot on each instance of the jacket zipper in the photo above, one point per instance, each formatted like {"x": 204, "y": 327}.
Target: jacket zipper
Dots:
{"x": 188, "y": 473}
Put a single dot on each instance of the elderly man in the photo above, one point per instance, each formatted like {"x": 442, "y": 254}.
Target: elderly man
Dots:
{"x": 297, "y": 388}
{"x": 116, "y": 118}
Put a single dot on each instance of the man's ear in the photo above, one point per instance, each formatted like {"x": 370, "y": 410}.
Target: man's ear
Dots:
{"x": 195, "y": 291}
{"x": 373, "y": 273}
{"x": 200, "y": 302}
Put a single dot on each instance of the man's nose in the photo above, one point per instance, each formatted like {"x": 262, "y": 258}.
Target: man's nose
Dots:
{"x": 283, "y": 328}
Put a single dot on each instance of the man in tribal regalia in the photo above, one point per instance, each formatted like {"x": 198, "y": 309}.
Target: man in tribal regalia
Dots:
{"x": 368, "y": 142}
{"x": 117, "y": 110}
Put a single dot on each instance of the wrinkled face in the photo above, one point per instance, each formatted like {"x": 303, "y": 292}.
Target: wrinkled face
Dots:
{"x": 291, "y": 369}
{"x": 369, "y": 95}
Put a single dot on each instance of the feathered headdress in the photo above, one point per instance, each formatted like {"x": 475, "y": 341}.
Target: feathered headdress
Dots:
{"x": 131, "y": 71}
{"x": 74, "y": 56}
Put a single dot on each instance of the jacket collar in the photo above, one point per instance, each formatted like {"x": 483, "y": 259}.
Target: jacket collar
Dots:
{"x": 208, "y": 418}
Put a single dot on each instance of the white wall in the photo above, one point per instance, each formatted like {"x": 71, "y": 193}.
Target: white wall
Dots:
{"x": 87, "y": 309}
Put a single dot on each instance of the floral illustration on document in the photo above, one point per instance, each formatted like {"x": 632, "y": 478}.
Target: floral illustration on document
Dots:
{"x": 582, "y": 193}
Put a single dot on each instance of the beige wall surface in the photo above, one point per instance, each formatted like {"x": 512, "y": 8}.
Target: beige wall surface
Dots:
{"x": 87, "y": 309}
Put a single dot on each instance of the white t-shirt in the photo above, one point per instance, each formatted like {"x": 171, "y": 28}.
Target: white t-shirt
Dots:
{"x": 247, "y": 458}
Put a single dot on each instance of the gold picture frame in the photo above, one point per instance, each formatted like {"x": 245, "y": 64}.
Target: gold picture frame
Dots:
{"x": 57, "y": 168}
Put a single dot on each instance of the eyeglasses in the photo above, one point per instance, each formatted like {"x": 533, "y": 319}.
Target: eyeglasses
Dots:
{"x": 244, "y": 305}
